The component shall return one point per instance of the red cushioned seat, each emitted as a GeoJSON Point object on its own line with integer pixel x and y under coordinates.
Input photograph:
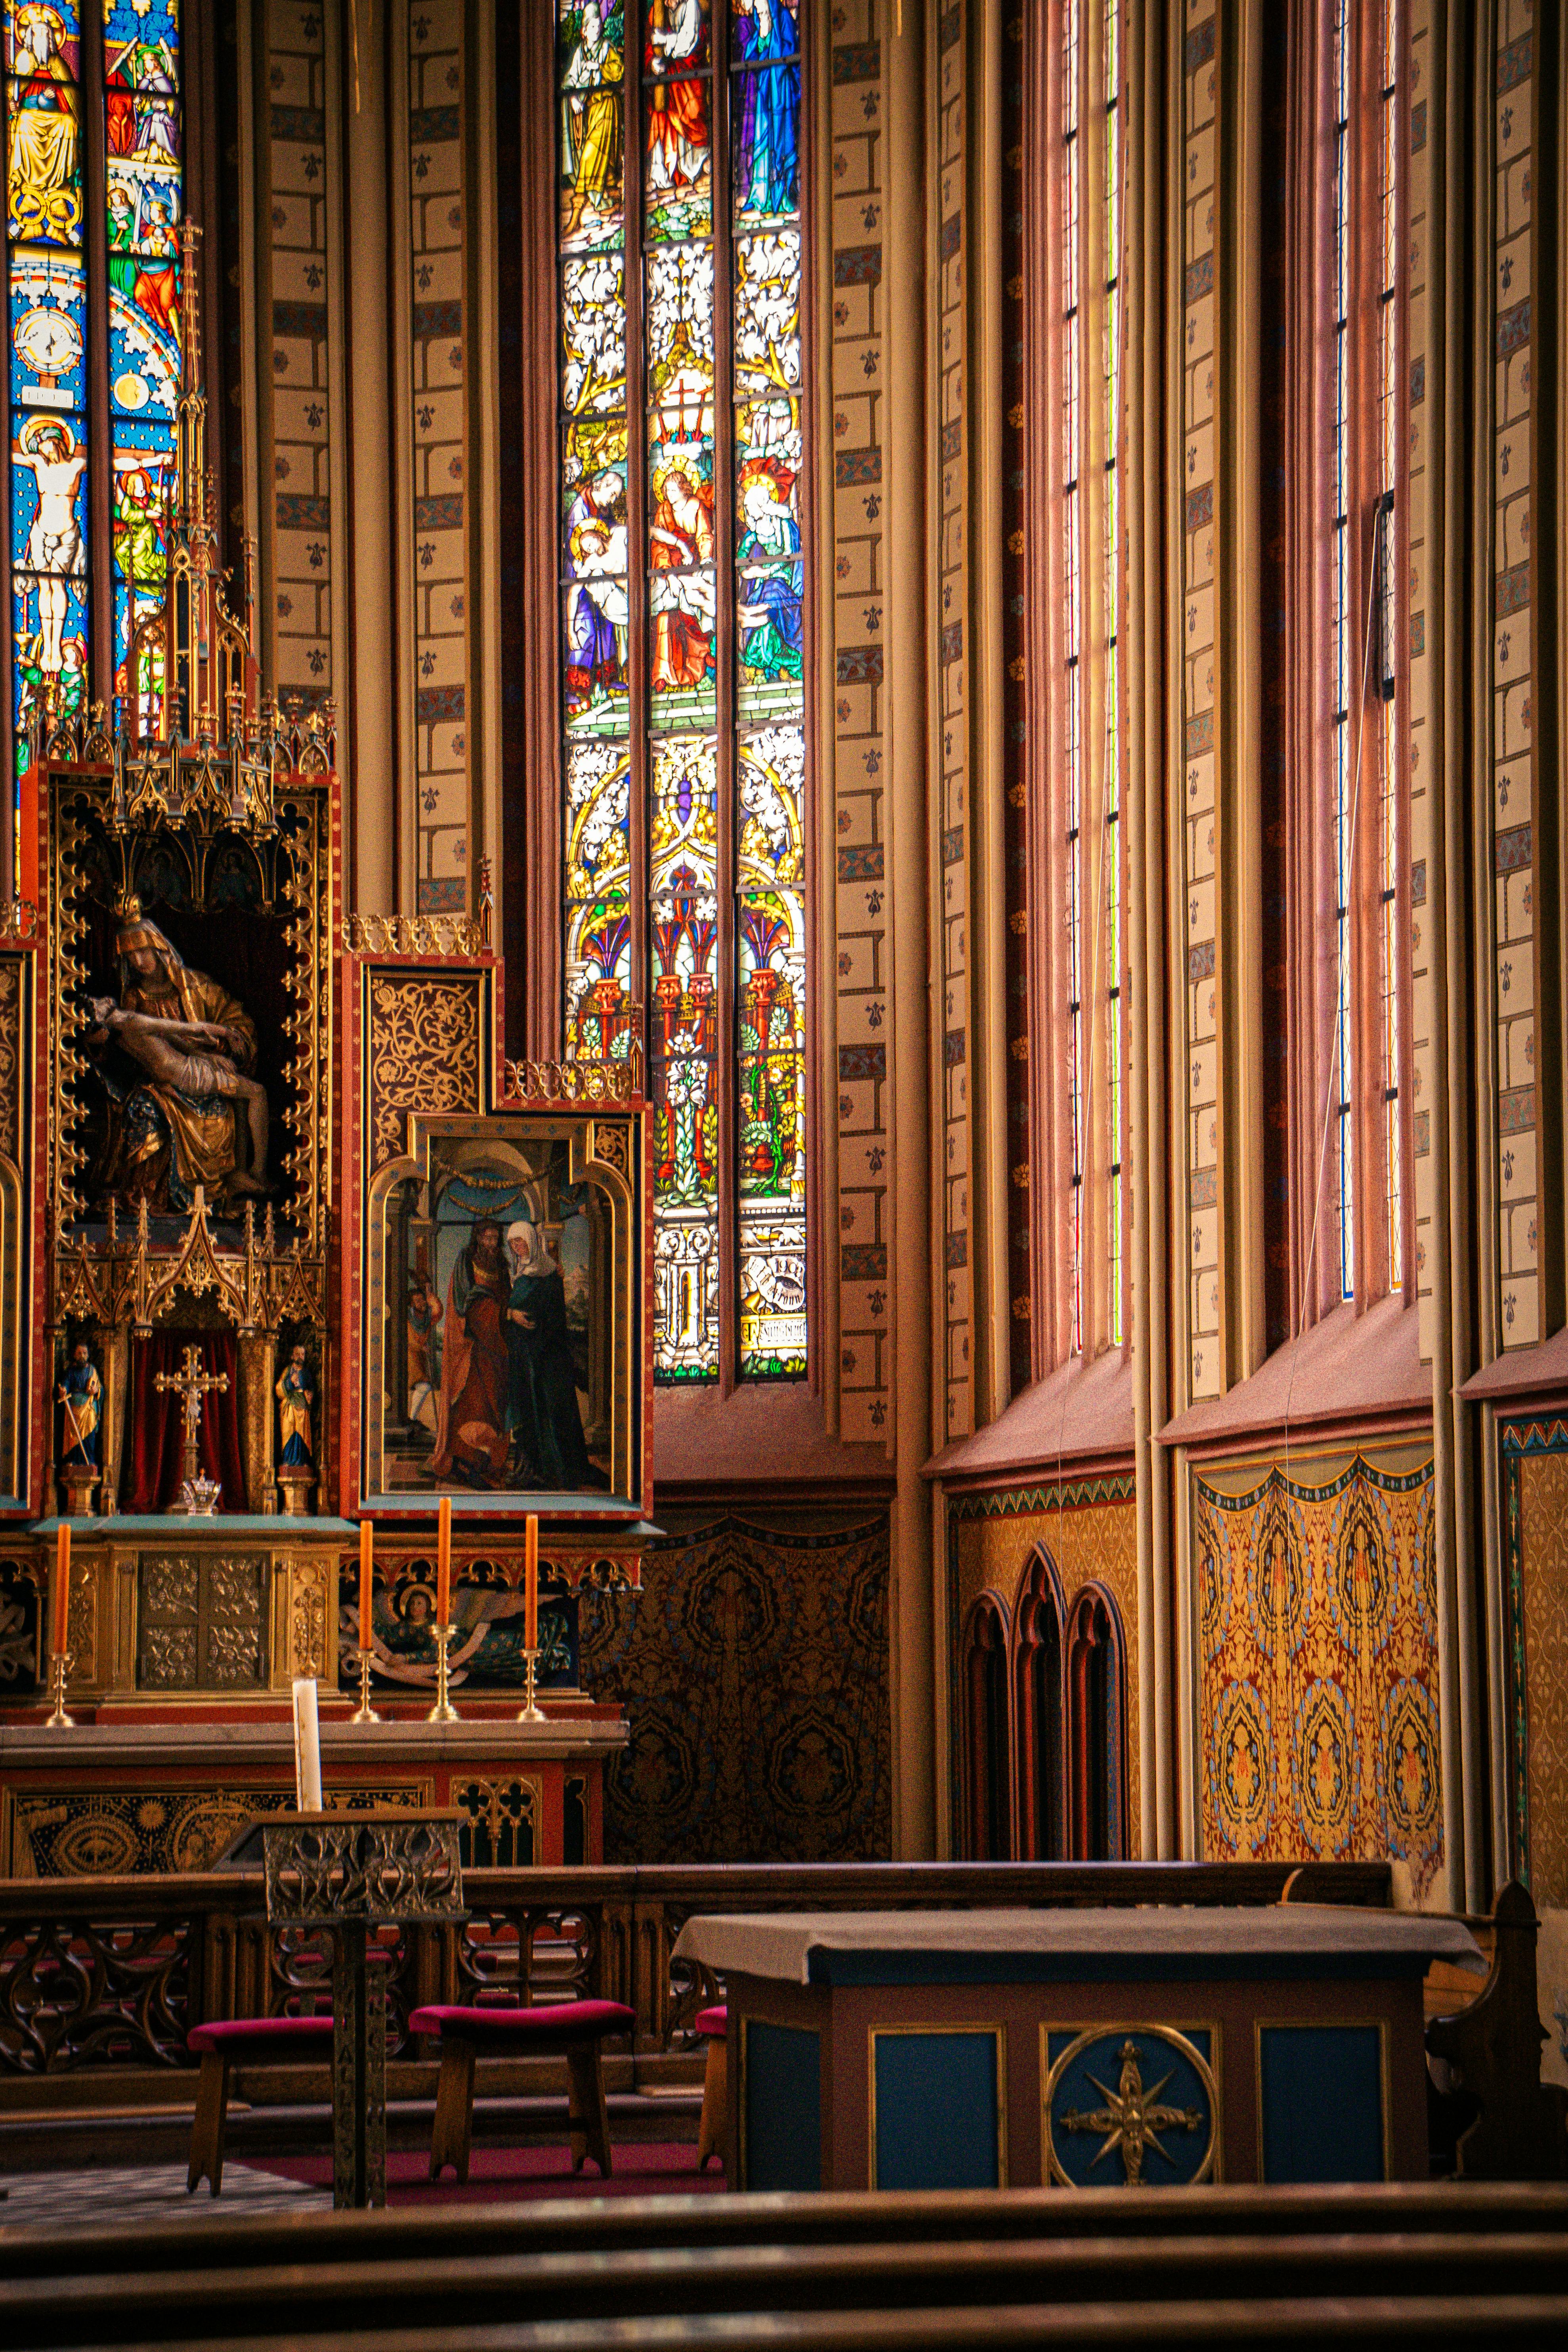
{"type": "Point", "coordinates": [711, 2020]}
{"type": "Point", "coordinates": [270, 2034]}
{"type": "Point", "coordinates": [561, 2021]}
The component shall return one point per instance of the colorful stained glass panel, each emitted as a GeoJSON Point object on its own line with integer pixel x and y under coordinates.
{"type": "Point", "coordinates": [48, 614]}
{"type": "Point", "coordinates": [145, 352]}
{"type": "Point", "coordinates": [141, 43]}
{"type": "Point", "coordinates": [676, 36]}
{"type": "Point", "coordinates": [594, 630]}
{"type": "Point", "coordinates": [766, 146]}
{"type": "Point", "coordinates": [678, 165]}
{"type": "Point", "coordinates": [594, 336]}
{"type": "Point", "coordinates": [593, 142]}
{"type": "Point", "coordinates": [49, 333]}
{"type": "Point", "coordinates": [42, 35]}
{"type": "Point", "coordinates": [44, 161]}
{"type": "Point", "coordinates": [767, 314]}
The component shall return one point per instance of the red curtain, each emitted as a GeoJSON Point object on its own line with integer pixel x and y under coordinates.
{"type": "Point", "coordinates": [154, 1453]}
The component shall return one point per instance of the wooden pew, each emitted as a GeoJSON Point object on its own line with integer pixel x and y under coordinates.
{"type": "Point", "coordinates": [459, 2232]}
{"type": "Point", "coordinates": [427, 2297]}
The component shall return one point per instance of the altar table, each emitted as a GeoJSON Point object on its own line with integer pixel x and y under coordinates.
{"type": "Point", "coordinates": [1153, 2046]}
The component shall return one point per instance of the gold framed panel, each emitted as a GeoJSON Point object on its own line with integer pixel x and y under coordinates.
{"type": "Point", "coordinates": [1260, 2025]}
{"type": "Point", "coordinates": [292, 866]}
{"type": "Point", "coordinates": [1209, 2070]}
{"type": "Point", "coordinates": [604, 1150]}
{"type": "Point", "coordinates": [998, 2034]}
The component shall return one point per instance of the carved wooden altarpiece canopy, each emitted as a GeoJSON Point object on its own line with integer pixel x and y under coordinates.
{"type": "Point", "coordinates": [272, 1196]}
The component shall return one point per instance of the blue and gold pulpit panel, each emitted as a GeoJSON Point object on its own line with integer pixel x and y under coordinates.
{"type": "Point", "coordinates": [1130, 2107]}
{"type": "Point", "coordinates": [938, 2106]}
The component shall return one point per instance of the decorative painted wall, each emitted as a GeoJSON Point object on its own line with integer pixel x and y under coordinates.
{"type": "Point", "coordinates": [855, 640]}
{"type": "Point", "coordinates": [1535, 1561]}
{"type": "Point", "coordinates": [1088, 1527]}
{"type": "Point", "coordinates": [753, 1667]}
{"type": "Point", "coordinates": [1318, 1678]}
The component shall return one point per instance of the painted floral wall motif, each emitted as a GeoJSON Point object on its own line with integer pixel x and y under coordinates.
{"type": "Point", "coordinates": [1535, 1562]}
{"type": "Point", "coordinates": [1317, 1624]}
{"type": "Point", "coordinates": [753, 1668]}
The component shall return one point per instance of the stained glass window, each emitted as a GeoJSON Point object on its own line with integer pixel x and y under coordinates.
{"type": "Point", "coordinates": [1087, 531]}
{"type": "Point", "coordinates": [59, 63]}
{"type": "Point", "coordinates": [1365, 1106]}
{"type": "Point", "coordinates": [682, 643]}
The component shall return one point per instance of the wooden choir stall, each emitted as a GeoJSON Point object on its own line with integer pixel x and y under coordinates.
{"type": "Point", "coordinates": [310, 1255]}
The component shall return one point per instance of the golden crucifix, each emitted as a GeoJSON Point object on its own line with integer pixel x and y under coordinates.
{"type": "Point", "coordinates": [190, 1384]}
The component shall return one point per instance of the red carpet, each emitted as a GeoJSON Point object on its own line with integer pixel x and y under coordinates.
{"type": "Point", "coordinates": [501, 2174]}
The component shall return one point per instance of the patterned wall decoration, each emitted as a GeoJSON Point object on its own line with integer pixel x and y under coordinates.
{"type": "Point", "coordinates": [1199, 352]}
{"type": "Point", "coordinates": [1015, 706]}
{"type": "Point", "coordinates": [1513, 663]}
{"type": "Point", "coordinates": [300, 395]}
{"type": "Point", "coordinates": [1424, 909]}
{"type": "Point", "coordinates": [753, 1665]}
{"type": "Point", "coordinates": [953, 621]}
{"type": "Point", "coordinates": [1535, 1518]}
{"type": "Point", "coordinates": [1089, 1527]}
{"type": "Point", "coordinates": [860, 322]}
{"type": "Point", "coordinates": [423, 1053]}
{"type": "Point", "coordinates": [1318, 1694]}
{"type": "Point", "coordinates": [436, 212]}
{"type": "Point", "coordinates": [69, 1833]}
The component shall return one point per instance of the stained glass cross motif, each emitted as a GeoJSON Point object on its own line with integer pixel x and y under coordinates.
{"type": "Point", "coordinates": [121, 334]}
{"type": "Point", "coordinates": [682, 643]}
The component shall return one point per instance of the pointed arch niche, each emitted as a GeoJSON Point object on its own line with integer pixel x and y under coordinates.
{"type": "Point", "coordinates": [1044, 1694]}
{"type": "Point", "coordinates": [987, 1742]}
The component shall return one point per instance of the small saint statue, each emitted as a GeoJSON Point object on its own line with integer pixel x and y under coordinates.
{"type": "Point", "coordinates": [80, 1395]}
{"type": "Point", "coordinates": [297, 1460]}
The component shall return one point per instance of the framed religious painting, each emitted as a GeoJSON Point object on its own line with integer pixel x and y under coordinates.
{"type": "Point", "coordinates": [505, 1346]}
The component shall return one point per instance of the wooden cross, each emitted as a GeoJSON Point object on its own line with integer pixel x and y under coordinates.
{"type": "Point", "coordinates": [191, 1383]}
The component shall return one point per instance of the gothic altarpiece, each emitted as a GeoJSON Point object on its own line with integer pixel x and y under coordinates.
{"type": "Point", "coordinates": [285, 1240]}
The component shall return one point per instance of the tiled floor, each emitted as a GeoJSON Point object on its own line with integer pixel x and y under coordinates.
{"type": "Point", "coordinates": [115, 2193]}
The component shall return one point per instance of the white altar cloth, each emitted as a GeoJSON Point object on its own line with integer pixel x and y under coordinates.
{"type": "Point", "coordinates": [780, 1944]}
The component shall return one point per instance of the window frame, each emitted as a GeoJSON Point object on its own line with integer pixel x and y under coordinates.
{"type": "Point", "coordinates": [1075, 1311]}
{"type": "Point", "coordinates": [1378, 1270]}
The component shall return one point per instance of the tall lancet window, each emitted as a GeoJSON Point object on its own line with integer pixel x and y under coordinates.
{"type": "Point", "coordinates": [95, 198]}
{"type": "Point", "coordinates": [1086, 1207]}
{"type": "Point", "coordinates": [1360, 1202]}
{"type": "Point", "coordinates": [682, 640]}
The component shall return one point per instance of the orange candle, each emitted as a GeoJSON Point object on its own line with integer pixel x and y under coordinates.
{"type": "Point", "coordinates": [366, 1579]}
{"type": "Point", "coordinates": [444, 1565]}
{"type": "Point", "coordinates": [62, 1585]}
{"type": "Point", "coordinates": [530, 1587]}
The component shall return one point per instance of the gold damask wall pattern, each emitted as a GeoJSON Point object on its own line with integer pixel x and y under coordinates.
{"type": "Point", "coordinates": [1535, 1512]}
{"type": "Point", "coordinates": [1318, 1678]}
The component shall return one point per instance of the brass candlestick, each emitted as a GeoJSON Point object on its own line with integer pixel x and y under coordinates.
{"type": "Point", "coordinates": [442, 1711]}
{"type": "Point", "coordinates": [532, 1710]}
{"type": "Point", "coordinates": [364, 1712]}
{"type": "Point", "coordinates": [60, 1668]}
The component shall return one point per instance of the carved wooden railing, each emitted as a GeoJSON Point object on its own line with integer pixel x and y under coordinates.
{"type": "Point", "coordinates": [105, 1977]}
